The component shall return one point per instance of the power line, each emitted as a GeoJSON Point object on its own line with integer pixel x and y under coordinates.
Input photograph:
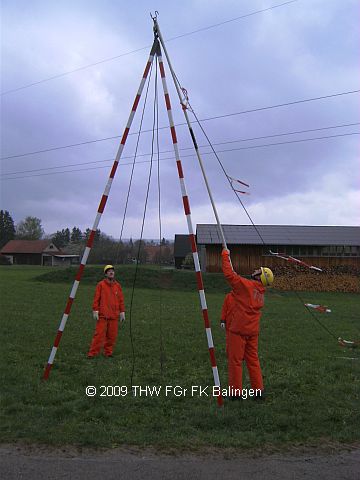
{"type": "Point", "coordinates": [296, 132]}
{"type": "Point", "coordinates": [294, 102]}
{"type": "Point", "coordinates": [289, 141]}
{"type": "Point", "coordinates": [191, 155]}
{"type": "Point", "coordinates": [54, 77]}
{"type": "Point", "coordinates": [134, 162]}
{"type": "Point", "coordinates": [48, 79]}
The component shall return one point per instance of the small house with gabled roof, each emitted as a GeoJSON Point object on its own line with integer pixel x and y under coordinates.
{"type": "Point", "coordinates": [37, 252]}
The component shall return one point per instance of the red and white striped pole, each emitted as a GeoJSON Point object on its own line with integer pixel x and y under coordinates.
{"type": "Point", "coordinates": [187, 211]}
{"type": "Point", "coordinates": [176, 83]}
{"type": "Point", "coordinates": [100, 211]}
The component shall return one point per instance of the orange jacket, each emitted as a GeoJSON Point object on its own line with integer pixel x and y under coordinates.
{"type": "Point", "coordinates": [243, 306]}
{"type": "Point", "coordinates": [108, 299]}
{"type": "Point", "coordinates": [226, 306]}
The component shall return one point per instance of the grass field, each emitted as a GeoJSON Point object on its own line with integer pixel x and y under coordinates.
{"type": "Point", "coordinates": [313, 389]}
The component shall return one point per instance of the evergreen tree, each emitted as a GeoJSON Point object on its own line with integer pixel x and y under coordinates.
{"type": "Point", "coordinates": [76, 235]}
{"type": "Point", "coordinates": [61, 237]}
{"type": "Point", "coordinates": [7, 228]}
{"type": "Point", "coordinates": [66, 235]}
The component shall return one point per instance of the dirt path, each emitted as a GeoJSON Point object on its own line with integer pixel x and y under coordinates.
{"type": "Point", "coordinates": [34, 463]}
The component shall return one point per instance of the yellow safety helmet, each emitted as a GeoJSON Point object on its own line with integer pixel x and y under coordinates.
{"type": "Point", "coordinates": [107, 267]}
{"type": "Point", "coordinates": [266, 277]}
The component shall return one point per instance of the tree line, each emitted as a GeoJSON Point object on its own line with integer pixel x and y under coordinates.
{"type": "Point", "coordinates": [105, 248]}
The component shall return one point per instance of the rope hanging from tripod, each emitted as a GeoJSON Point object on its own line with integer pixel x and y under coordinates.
{"type": "Point", "coordinates": [133, 165]}
{"type": "Point", "coordinates": [155, 109]}
{"type": "Point", "coordinates": [159, 219]}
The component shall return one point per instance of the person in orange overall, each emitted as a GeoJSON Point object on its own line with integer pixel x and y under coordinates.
{"type": "Point", "coordinates": [108, 310]}
{"type": "Point", "coordinates": [240, 317]}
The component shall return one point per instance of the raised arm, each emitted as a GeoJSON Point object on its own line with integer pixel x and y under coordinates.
{"type": "Point", "coordinates": [232, 277]}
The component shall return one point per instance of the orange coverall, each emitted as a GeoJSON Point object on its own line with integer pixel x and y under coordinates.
{"type": "Point", "coordinates": [109, 302]}
{"type": "Point", "coordinates": [241, 312]}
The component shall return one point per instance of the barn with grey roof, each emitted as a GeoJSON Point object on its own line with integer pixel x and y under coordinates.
{"type": "Point", "coordinates": [324, 246]}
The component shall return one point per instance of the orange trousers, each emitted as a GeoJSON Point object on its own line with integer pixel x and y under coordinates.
{"type": "Point", "coordinates": [238, 349]}
{"type": "Point", "coordinates": [105, 334]}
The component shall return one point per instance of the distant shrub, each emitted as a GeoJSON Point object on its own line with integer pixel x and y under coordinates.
{"type": "Point", "coordinates": [147, 277]}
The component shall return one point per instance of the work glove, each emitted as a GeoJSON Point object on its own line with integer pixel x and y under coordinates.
{"type": "Point", "coordinates": [95, 315]}
{"type": "Point", "coordinates": [222, 324]}
{"type": "Point", "coordinates": [122, 317]}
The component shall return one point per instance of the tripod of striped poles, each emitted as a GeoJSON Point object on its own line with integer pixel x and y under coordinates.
{"type": "Point", "coordinates": [155, 50]}
{"type": "Point", "coordinates": [99, 213]}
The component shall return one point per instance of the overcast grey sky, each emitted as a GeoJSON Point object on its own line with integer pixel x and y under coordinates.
{"type": "Point", "coordinates": [305, 49]}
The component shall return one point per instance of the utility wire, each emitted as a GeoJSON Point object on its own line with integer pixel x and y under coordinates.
{"type": "Point", "coordinates": [48, 79]}
{"type": "Point", "coordinates": [233, 19]}
{"type": "Point", "coordinates": [141, 237]}
{"type": "Point", "coordinates": [187, 148]}
{"type": "Point", "coordinates": [133, 167]}
{"type": "Point", "coordinates": [122, 226]}
{"type": "Point", "coordinates": [183, 156]}
{"type": "Point", "coordinates": [258, 109]}
{"type": "Point", "coordinates": [162, 357]}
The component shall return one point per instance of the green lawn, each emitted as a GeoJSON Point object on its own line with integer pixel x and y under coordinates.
{"type": "Point", "coordinates": [313, 390]}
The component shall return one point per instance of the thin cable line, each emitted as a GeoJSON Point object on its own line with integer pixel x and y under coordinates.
{"type": "Point", "coordinates": [133, 166]}
{"type": "Point", "coordinates": [183, 156]}
{"type": "Point", "coordinates": [133, 286]}
{"type": "Point", "coordinates": [141, 237]}
{"type": "Point", "coordinates": [186, 148]}
{"type": "Point", "coordinates": [232, 20]}
{"type": "Point", "coordinates": [295, 102]}
{"type": "Point", "coordinates": [13, 90]}
{"type": "Point", "coordinates": [160, 224]}
{"type": "Point", "coordinates": [48, 79]}
{"type": "Point", "coordinates": [289, 142]}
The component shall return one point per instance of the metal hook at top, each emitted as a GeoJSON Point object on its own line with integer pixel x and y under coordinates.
{"type": "Point", "coordinates": [155, 16]}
